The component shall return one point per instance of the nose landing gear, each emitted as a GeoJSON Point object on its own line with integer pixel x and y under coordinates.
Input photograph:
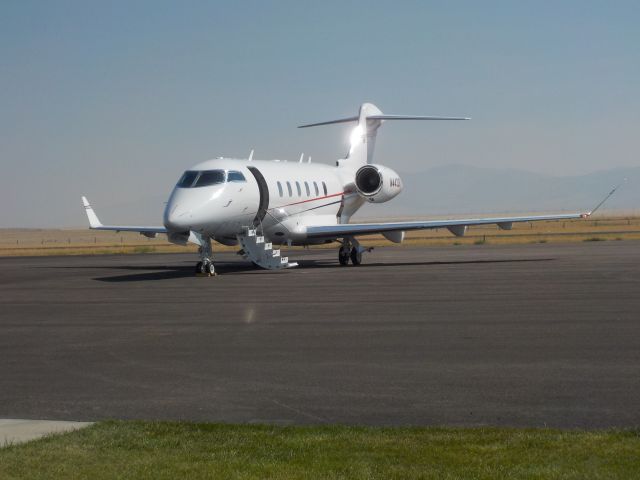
{"type": "Point", "coordinates": [205, 266]}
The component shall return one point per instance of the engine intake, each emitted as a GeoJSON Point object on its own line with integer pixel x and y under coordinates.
{"type": "Point", "coordinates": [377, 183]}
{"type": "Point", "coordinates": [368, 180]}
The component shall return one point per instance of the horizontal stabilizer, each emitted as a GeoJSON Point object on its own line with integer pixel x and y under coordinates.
{"type": "Point", "coordinates": [340, 120]}
{"type": "Point", "coordinates": [382, 117]}
{"type": "Point", "coordinates": [412, 117]}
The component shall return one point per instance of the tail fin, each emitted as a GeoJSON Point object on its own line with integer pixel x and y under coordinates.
{"type": "Point", "coordinates": [363, 136]}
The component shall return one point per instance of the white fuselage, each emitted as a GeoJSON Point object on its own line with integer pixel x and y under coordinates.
{"type": "Point", "coordinates": [280, 198]}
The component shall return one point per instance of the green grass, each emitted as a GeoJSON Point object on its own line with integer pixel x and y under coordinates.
{"type": "Point", "coordinates": [160, 450]}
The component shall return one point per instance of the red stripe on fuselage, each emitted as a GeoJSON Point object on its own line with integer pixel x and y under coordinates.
{"type": "Point", "coordinates": [310, 200]}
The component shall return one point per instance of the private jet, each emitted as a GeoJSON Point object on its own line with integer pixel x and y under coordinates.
{"type": "Point", "coordinates": [259, 205]}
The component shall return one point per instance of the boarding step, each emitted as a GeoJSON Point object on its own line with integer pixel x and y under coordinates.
{"type": "Point", "coordinates": [261, 252]}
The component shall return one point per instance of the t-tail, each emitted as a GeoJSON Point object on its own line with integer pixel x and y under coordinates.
{"type": "Point", "coordinates": [363, 136]}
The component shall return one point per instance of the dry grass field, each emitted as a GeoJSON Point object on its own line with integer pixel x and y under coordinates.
{"type": "Point", "coordinates": [23, 242]}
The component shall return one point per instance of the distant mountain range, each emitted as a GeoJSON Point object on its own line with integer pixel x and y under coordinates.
{"type": "Point", "coordinates": [462, 189]}
{"type": "Point", "coordinates": [451, 190]}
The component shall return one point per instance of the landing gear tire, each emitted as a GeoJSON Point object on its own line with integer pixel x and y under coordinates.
{"type": "Point", "coordinates": [205, 268]}
{"type": "Point", "coordinates": [343, 256]}
{"type": "Point", "coordinates": [356, 256]}
{"type": "Point", "coordinates": [209, 269]}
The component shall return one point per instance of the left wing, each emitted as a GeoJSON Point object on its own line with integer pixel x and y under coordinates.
{"type": "Point", "coordinates": [95, 224]}
{"type": "Point", "coordinates": [457, 227]}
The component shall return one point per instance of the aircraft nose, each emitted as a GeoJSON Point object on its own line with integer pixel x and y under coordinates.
{"type": "Point", "coordinates": [177, 218]}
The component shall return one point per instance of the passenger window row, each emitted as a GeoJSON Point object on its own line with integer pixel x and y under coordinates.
{"type": "Point", "coordinates": [299, 191]}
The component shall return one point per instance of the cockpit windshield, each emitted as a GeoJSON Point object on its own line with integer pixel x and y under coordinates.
{"type": "Point", "coordinates": [210, 177]}
{"type": "Point", "coordinates": [194, 179]}
{"type": "Point", "coordinates": [187, 179]}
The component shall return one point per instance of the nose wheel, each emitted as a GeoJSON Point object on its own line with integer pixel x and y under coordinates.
{"type": "Point", "coordinates": [205, 266]}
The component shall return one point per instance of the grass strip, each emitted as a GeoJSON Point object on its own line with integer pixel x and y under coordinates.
{"type": "Point", "coordinates": [119, 449]}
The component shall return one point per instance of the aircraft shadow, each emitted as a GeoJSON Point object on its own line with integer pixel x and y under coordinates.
{"type": "Point", "coordinates": [333, 264]}
{"type": "Point", "coordinates": [150, 273]}
{"type": "Point", "coordinates": [168, 272]}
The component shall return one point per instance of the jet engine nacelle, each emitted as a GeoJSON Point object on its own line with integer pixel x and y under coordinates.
{"type": "Point", "coordinates": [377, 183]}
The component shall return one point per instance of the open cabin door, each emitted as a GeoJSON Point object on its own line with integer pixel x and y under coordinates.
{"type": "Point", "coordinates": [263, 206]}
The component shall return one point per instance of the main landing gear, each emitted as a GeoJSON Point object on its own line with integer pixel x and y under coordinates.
{"type": "Point", "coordinates": [351, 250]}
{"type": "Point", "coordinates": [205, 266]}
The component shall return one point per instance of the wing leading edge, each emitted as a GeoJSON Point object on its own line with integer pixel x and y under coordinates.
{"type": "Point", "coordinates": [457, 227]}
{"type": "Point", "coordinates": [95, 224]}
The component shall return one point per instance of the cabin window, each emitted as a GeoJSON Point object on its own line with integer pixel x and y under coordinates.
{"type": "Point", "coordinates": [234, 176]}
{"type": "Point", "coordinates": [280, 188]}
{"type": "Point", "coordinates": [289, 188]}
{"type": "Point", "coordinates": [324, 187]}
{"type": "Point", "coordinates": [315, 186]}
{"type": "Point", "coordinates": [299, 189]}
{"type": "Point", "coordinates": [210, 177]}
{"type": "Point", "coordinates": [306, 187]}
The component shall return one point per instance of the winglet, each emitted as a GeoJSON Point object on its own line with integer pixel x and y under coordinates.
{"type": "Point", "coordinates": [93, 218]}
{"type": "Point", "coordinates": [609, 195]}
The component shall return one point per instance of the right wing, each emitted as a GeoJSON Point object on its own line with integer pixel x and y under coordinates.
{"type": "Point", "coordinates": [95, 224]}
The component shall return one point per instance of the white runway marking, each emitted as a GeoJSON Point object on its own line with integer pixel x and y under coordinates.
{"type": "Point", "coordinates": [14, 431]}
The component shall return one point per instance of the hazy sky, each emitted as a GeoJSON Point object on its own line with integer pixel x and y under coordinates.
{"type": "Point", "coordinates": [115, 99]}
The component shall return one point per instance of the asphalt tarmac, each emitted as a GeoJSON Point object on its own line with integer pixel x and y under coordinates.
{"type": "Point", "coordinates": [528, 335]}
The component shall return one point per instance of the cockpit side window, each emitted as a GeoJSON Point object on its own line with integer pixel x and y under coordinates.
{"type": "Point", "coordinates": [234, 176]}
{"type": "Point", "coordinates": [210, 177]}
{"type": "Point", "coordinates": [187, 179]}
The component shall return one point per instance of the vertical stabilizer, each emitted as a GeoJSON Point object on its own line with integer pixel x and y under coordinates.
{"type": "Point", "coordinates": [363, 138]}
